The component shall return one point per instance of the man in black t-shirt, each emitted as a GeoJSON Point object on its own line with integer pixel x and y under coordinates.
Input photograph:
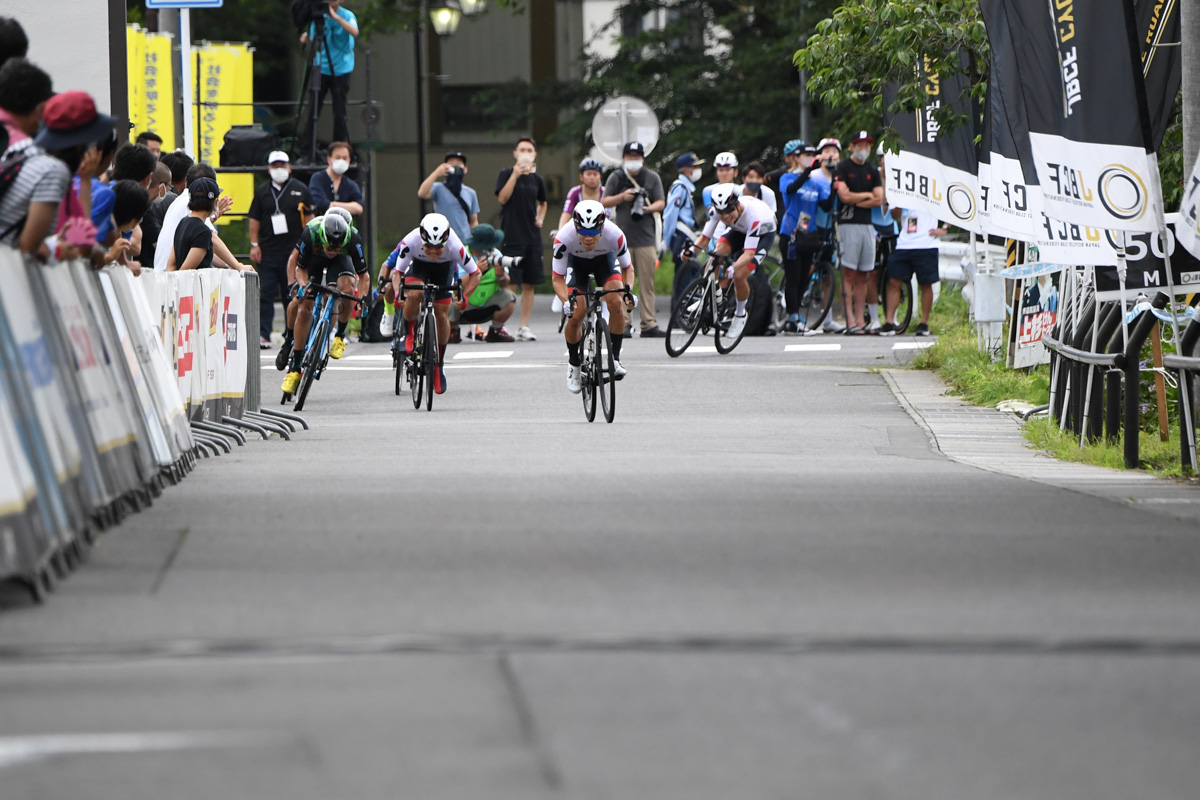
{"type": "Point", "coordinates": [522, 193]}
{"type": "Point", "coordinates": [859, 189]}
{"type": "Point", "coordinates": [282, 206]}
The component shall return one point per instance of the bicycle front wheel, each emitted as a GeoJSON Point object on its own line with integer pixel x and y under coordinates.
{"type": "Point", "coordinates": [416, 367]}
{"type": "Point", "coordinates": [818, 296]}
{"type": "Point", "coordinates": [588, 378]}
{"type": "Point", "coordinates": [606, 381]}
{"type": "Point", "coordinates": [904, 308]}
{"type": "Point", "coordinates": [725, 343]}
{"type": "Point", "coordinates": [432, 362]}
{"type": "Point", "coordinates": [311, 363]}
{"type": "Point", "coordinates": [685, 319]}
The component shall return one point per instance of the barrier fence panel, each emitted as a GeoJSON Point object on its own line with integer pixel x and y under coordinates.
{"type": "Point", "coordinates": [253, 400]}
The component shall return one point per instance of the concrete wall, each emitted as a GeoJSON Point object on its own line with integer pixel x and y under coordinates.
{"type": "Point", "coordinates": [68, 39]}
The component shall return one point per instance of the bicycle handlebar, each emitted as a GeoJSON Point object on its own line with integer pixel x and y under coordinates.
{"type": "Point", "coordinates": [320, 289]}
{"type": "Point", "coordinates": [455, 288]}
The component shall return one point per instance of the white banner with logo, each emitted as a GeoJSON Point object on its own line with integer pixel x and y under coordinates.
{"type": "Point", "coordinates": [926, 185]}
{"type": "Point", "coordinates": [1187, 230]}
{"type": "Point", "coordinates": [1100, 185]}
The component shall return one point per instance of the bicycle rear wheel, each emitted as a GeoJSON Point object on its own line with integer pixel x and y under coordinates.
{"type": "Point", "coordinates": [432, 362]}
{"type": "Point", "coordinates": [606, 381]}
{"type": "Point", "coordinates": [725, 343]}
{"type": "Point", "coordinates": [311, 363]}
{"type": "Point", "coordinates": [818, 295]}
{"type": "Point", "coordinates": [686, 318]}
{"type": "Point", "coordinates": [416, 367]}
{"type": "Point", "coordinates": [904, 309]}
{"type": "Point", "coordinates": [588, 378]}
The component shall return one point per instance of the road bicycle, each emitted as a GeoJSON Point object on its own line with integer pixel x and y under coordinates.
{"type": "Point", "coordinates": [419, 367]}
{"type": "Point", "coordinates": [316, 352]}
{"type": "Point", "coordinates": [706, 307]}
{"type": "Point", "coordinates": [597, 372]}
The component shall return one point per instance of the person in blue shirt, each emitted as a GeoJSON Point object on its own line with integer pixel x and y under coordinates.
{"type": "Point", "coordinates": [807, 191]}
{"type": "Point", "coordinates": [452, 198]}
{"type": "Point", "coordinates": [335, 58]}
{"type": "Point", "coordinates": [679, 216]}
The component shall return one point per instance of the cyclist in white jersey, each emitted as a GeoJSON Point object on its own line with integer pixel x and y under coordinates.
{"type": "Point", "coordinates": [738, 223]}
{"type": "Point", "coordinates": [590, 245]}
{"type": "Point", "coordinates": [432, 253]}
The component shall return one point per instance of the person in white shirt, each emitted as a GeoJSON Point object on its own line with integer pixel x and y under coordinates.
{"type": "Point", "coordinates": [916, 253]}
{"type": "Point", "coordinates": [178, 211]}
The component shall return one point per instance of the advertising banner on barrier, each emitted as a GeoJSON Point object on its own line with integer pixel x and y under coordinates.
{"type": "Point", "coordinates": [235, 337]}
{"type": "Point", "coordinates": [18, 496]}
{"type": "Point", "coordinates": [157, 371]}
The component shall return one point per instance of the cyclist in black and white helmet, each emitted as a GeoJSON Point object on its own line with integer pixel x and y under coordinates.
{"type": "Point", "coordinates": [590, 244]}
{"type": "Point", "coordinates": [744, 225]}
{"type": "Point", "coordinates": [432, 253]}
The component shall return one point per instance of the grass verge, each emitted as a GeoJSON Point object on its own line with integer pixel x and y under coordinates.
{"type": "Point", "coordinates": [1158, 457]}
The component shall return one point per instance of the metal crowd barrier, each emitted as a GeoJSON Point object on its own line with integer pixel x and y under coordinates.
{"type": "Point", "coordinates": [112, 387]}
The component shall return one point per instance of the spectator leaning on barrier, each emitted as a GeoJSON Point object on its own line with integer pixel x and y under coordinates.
{"type": "Point", "coordinates": [152, 219]}
{"type": "Point", "coordinates": [194, 236]}
{"type": "Point", "coordinates": [30, 203]}
{"type": "Point", "coordinates": [916, 253]}
{"type": "Point", "coordinates": [179, 162]}
{"type": "Point", "coordinates": [152, 141]}
{"type": "Point", "coordinates": [859, 189]}
{"type": "Point", "coordinates": [132, 163]}
{"type": "Point", "coordinates": [330, 188]}
{"type": "Point", "coordinates": [635, 182]}
{"type": "Point", "coordinates": [282, 206]}
{"type": "Point", "coordinates": [491, 300]}
{"type": "Point", "coordinates": [336, 62]}
{"type": "Point", "coordinates": [181, 209]}
{"type": "Point", "coordinates": [522, 195]}
{"type": "Point", "coordinates": [452, 198]}
{"type": "Point", "coordinates": [130, 202]}
{"type": "Point", "coordinates": [24, 90]}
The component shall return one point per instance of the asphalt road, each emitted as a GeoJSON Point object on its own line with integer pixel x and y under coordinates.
{"type": "Point", "coordinates": [759, 582]}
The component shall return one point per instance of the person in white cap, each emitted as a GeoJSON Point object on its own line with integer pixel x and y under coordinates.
{"type": "Point", "coordinates": [281, 208]}
{"type": "Point", "coordinates": [726, 166]}
{"type": "Point", "coordinates": [859, 188]}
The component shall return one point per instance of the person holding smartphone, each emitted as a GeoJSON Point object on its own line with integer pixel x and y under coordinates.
{"type": "Point", "coordinates": [522, 195]}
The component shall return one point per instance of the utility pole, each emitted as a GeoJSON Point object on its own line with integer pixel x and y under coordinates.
{"type": "Point", "coordinates": [1189, 25]}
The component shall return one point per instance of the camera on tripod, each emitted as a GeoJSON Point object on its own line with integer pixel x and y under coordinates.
{"type": "Point", "coordinates": [306, 12]}
{"type": "Point", "coordinates": [639, 205]}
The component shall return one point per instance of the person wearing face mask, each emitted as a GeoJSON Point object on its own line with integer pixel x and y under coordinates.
{"type": "Point", "coordinates": [679, 218]}
{"type": "Point", "coordinates": [453, 199]}
{"type": "Point", "coordinates": [330, 188]}
{"type": "Point", "coordinates": [620, 192]}
{"type": "Point", "coordinates": [151, 225]}
{"type": "Point", "coordinates": [278, 213]}
{"type": "Point", "coordinates": [753, 176]}
{"type": "Point", "coordinates": [859, 189]}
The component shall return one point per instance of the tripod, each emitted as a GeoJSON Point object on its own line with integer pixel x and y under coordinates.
{"type": "Point", "coordinates": [310, 87]}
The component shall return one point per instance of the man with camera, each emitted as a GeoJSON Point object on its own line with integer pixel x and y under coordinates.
{"type": "Point", "coordinates": [637, 194]}
{"type": "Point", "coordinates": [334, 29]}
{"type": "Point", "coordinates": [491, 301]}
{"type": "Point", "coordinates": [452, 198]}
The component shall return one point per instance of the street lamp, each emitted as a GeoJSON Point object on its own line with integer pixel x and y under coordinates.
{"type": "Point", "coordinates": [471, 8]}
{"type": "Point", "coordinates": [445, 19]}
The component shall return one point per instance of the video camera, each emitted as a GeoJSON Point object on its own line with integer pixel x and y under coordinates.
{"type": "Point", "coordinates": [305, 12]}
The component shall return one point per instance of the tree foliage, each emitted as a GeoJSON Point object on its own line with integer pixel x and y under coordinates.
{"type": "Point", "coordinates": [866, 44]}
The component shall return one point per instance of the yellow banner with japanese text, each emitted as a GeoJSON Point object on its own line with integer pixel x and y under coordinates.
{"type": "Point", "coordinates": [225, 75]}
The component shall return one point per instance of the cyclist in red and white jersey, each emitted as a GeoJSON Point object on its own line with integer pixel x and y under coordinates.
{"type": "Point", "coordinates": [738, 223]}
{"type": "Point", "coordinates": [432, 253]}
{"type": "Point", "coordinates": [590, 245]}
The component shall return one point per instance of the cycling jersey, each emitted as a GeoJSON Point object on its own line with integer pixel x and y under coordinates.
{"type": "Point", "coordinates": [756, 222]}
{"type": "Point", "coordinates": [311, 258]}
{"type": "Point", "coordinates": [567, 245]}
{"type": "Point", "coordinates": [411, 250]}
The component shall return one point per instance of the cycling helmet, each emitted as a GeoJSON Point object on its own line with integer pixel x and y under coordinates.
{"type": "Point", "coordinates": [725, 159]}
{"type": "Point", "coordinates": [590, 163]}
{"type": "Point", "coordinates": [435, 230]}
{"type": "Point", "coordinates": [344, 214]}
{"type": "Point", "coordinates": [792, 146]}
{"type": "Point", "coordinates": [725, 197]}
{"type": "Point", "coordinates": [333, 231]}
{"type": "Point", "coordinates": [588, 218]}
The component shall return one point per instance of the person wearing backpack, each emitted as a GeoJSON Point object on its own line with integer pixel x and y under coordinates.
{"type": "Point", "coordinates": [452, 198]}
{"type": "Point", "coordinates": [491, 301]}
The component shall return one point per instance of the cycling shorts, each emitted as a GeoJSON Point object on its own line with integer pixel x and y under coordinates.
{"type": "Point", "coordinates": [737, 244]}
{"type": "Point", "coordinates": [330, 268]}
{"type": "Point", "coordinates": [602, 268]}
{"type": "Point", "coordinates": [429, 272]}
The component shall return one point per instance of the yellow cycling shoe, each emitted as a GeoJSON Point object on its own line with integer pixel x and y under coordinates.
{"type": "Point", "coordinates": [338, 348]}
{"type": "Point", "coordinates": [291, 382]}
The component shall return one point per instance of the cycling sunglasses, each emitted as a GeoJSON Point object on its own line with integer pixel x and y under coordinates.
{"type": "Point", "coordinates": [588, 232]}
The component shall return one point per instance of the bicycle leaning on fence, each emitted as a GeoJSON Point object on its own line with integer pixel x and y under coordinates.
{"type": "Point", "coordinates": [316, 353]}
{"type": "Point", "coordinates": [706, 307]}
{"type": "Point", "coordinates": [419, 366]}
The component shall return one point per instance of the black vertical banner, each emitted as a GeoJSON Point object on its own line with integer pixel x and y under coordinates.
{"type": "Point", "coordinates": [1158, 25]}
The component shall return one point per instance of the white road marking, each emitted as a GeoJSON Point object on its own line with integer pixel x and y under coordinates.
{"type": "Point", "coordinates": [466, 356]}
{"type": "Point", "coordinates": [23, 749]}
{"type": "Point", "coordinates": [701, 348]}
{"type": "Point", "coordinates": [370, 357]}
{"type": "Point", "coordinates": [811, 348]}
{"type": "Point", "coordinates": [912, 345]}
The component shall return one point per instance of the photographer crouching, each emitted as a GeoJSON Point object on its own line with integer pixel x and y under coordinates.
{"type": "Point", "coordinates": [637, 194]}
{"type": "Point", "coordinates": [333, 30]}
{"type": "Point", "coordinates": [491, 301]}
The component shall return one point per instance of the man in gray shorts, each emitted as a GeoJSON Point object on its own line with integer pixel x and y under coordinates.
{"type": "Point", "coordinates": [859, 190]}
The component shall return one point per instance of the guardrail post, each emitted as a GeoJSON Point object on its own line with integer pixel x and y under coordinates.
{"type": "Point", "coordinates": [1137, 338]}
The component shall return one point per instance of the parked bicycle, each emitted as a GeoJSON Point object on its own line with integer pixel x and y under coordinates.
{"type": "Point", "coordinates": [706, 307]}
{"type": "Point", "coordinates": [316, 352]}
{"type": "Point", "coordinates": [597, 371]}
{"type": "Point", "coordinates": [904, 308]}
{"type": "Point", "coordinates": [419, 367]}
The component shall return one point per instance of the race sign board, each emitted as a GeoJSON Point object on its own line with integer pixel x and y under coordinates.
{"type": "Point", "coordinates": [1034, 312]}
{"type": "Point", "coordinates": [1147, 271]}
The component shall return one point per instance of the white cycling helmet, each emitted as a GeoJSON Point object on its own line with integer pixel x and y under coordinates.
{"type": "Point", "coordinates": [435, 230]}
{"type": "Point", "coordinates": [725, 197]}
{"type": "Point", "coordinates": [588, 218]}
{"type": "Point", "coordinates": [725, 159]}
